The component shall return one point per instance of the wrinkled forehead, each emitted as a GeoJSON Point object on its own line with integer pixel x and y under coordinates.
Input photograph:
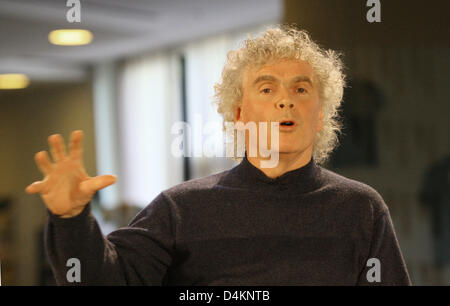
{"type": "Point", "coordinates": [278, 66]}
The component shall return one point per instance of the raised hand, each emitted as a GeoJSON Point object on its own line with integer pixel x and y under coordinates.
{"type": "Point", "coordinates": [66, 187]}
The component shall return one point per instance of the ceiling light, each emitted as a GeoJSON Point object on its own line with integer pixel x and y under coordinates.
{"type": "Point", "coordinates": [13, 81]}
{"type": "Point", "coordinates": [70, 37]}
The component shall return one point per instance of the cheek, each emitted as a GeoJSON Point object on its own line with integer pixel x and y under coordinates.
{"type": "Point", "coordinates": [260, 111]}
{"type": "Point", "coordinates": [308, 115]}
{"type": "Point", "coordinates": [253, 112]}
{"type": "Point", "coordinates": [314, 120]}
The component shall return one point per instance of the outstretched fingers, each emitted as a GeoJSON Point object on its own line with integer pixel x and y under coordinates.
{"type": "Point", "coordinates": [94, 184]}
{"type": "Point", "coordinates": [34, 187]}
{"type": "Point", "coordinates": [76, 145]}
{"type": "Point", "coordinates": [57, 147]}
{"type": "Point", "coordinates": [43, 162]}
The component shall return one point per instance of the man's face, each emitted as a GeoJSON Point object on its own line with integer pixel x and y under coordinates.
{"type": "Point", "coordinates": [283, 91]}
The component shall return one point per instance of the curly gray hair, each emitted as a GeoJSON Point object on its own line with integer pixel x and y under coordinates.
{"type": "Point", "coordinates": [287, 42]}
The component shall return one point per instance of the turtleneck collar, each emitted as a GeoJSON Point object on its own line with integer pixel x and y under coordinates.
{"type": "Point", "coordinates": [301, 180]}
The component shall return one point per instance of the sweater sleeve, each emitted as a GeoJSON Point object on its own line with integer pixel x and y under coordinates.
{"type": "Point", "coordinates": [138, 254]}
{"type": "Point", "coordinates": [385, 258]}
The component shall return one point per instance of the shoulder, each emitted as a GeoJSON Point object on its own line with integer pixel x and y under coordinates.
{"type": "Point", "coordinates": [195, 187]}
{"type": "Point", "coordinates": [355, 192]}
{"type": "Point", "coordinates": [168, 201]}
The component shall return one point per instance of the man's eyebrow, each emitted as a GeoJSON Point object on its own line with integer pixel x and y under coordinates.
{"type": "Point", "coordinates": [302, 78]}
{"type": "Point", "coordinates": [297, 79]}
{"type": "Point", "coordinates": [264, 77]}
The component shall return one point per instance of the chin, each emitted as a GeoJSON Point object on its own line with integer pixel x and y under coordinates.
{"type": "Point", "coordinates": [287, 148]}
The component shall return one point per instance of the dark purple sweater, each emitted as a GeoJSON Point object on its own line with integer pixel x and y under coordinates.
{"type": "Point", "coordinates": [309, 226]}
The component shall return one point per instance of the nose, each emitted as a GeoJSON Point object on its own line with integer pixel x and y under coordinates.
{"type": "Point", "coordinates": [285, 99]}
{"type": "Point", "coordinates": [284, 104]}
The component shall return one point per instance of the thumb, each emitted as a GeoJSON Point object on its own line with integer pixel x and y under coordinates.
{"type": "Point", "coordinates": [93, 184]}
{"type": "Point", "coordinates": [34, 187]}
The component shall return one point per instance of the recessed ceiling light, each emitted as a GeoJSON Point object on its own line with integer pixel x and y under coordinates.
{"type": "Point", "coordinates": [13, 81]}
{"type": "Point", "coordinates": [70, 37]}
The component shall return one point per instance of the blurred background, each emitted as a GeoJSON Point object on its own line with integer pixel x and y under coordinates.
{"type": "Point", "coordinates": [148, 64]}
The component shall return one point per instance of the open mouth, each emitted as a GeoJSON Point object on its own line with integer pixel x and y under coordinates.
{"type": "Point", "coordinates": [287, 123]}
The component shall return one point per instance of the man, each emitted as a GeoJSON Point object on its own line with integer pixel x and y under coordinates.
{"type": "Point", "coordinates": [292, 224]}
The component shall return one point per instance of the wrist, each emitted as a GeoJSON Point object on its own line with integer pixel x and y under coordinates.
{"type": "Point", "coordinates": [73, 213]}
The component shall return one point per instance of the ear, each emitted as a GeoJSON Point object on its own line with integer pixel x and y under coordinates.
{"type": "Point", "coordinates": [237, 114]}
{"type": "Point", "coordinates": [320, 123]}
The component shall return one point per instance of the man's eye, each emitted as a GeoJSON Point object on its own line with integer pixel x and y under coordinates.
{"type": "Point", "coordinates": [266, 90]}
{"type": "Point", "coordinates": [301, 90]}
